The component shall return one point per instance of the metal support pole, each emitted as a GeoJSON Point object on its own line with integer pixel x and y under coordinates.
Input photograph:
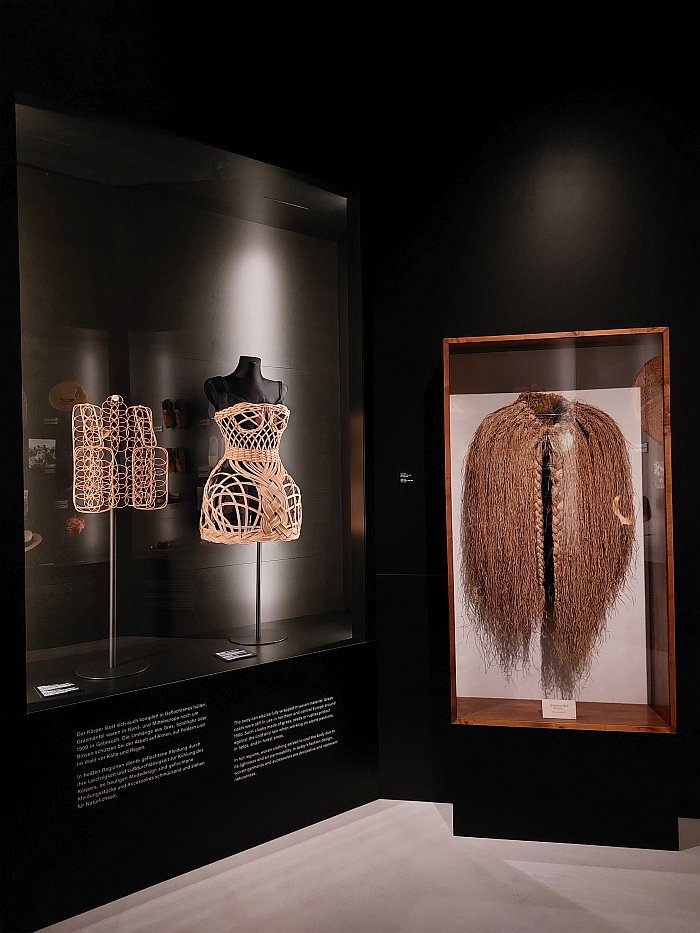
{"type": "Point", "coordinates": [258, 577]}
{"type": "Point", "coordinates": [249, 635]}
{"type": "Point", "coordinates": [112, 588]}
{"type": "Point", "coordinates": [108, 668]}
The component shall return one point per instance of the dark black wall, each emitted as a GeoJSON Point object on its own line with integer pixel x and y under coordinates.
{"type": "Point", "coordinates": [448, 133]}
{"type": "Point", "coordinates": [572, 208]}
{"type": "Point", "coordinates": [60, 859]}
{"type": "Point", "coordinates": [262, 86]}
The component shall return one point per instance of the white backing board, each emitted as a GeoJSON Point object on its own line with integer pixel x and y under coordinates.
{"type": "Point", "coordinates": [619, 670]}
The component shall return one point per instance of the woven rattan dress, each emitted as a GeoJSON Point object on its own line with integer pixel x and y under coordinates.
{"type": "Point", "coordinates": [249, 496]}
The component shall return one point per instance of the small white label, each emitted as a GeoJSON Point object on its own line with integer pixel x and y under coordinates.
{"type": "Point", "coordinates": [405, 477]}
{"type": "Point", "coordinates": [234, 654]}
{"type": "Point", "coordinates": [52, 690]}
{"type": "Point", "coordinates": [559, 709]}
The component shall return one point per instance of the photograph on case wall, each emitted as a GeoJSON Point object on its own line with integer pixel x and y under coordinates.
{"type": "Point", "coordinates": [42, 454]}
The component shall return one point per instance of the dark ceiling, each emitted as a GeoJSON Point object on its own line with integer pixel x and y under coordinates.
{"type": "Point", "coordinates": [354, 98]}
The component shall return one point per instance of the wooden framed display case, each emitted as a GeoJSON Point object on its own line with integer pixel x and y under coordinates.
{"type": "Point", "coordinates": [559, 530]}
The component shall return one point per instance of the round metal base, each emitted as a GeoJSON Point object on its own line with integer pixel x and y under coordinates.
{"type": "Point", "coordinates": [99, 669]}
{"type": "Point", "coordinates": [247, 636]}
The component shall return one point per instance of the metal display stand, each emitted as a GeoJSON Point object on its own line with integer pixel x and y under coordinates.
{"type": "Point", "coordinates": [116, 463]}
{"type": "Point", "coordinates": [110, 668]}
{"type": "Point", "coordinates": [252, 634]}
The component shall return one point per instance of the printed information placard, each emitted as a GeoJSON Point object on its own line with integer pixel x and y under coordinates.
{"type": "Point", "coordinates": [233, 654]}
{"type": "Point", "coordinates": [559, 709]}
{"type": "Point", "coordinates": [52, 690]}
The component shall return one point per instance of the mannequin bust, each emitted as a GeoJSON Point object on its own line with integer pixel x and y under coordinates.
{"type": "Point", "coordinates": [245, 384]}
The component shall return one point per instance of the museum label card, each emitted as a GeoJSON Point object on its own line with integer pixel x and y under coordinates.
{"type": "Point", "coordinates": [52, 690]}
{"type": "Point", "coordinates": [234, 654]}
{"type": "Point", "coordinates": [559, 709]}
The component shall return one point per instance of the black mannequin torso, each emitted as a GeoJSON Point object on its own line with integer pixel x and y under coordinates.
{"type": "Point", "coordinates": [245, 384]}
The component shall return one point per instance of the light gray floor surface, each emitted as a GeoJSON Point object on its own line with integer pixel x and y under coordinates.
{"type": "Point", "coordinates": [395, 867]}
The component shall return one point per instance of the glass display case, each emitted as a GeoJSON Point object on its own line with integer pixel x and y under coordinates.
{"type": "Point", "coordinates": [559, 528]}
{"type": "Point", "coordinates": [150, 265]}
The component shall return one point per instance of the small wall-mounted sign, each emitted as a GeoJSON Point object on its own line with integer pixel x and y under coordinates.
{"type": "Point", "coordinates": [60, 503]}
{"type": "Point", "coordinates": [406, 477]}
{"type": "Point", "coordinates": [50, 420]}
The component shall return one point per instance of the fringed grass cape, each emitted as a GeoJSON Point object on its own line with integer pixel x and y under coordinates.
{"type": "Point", "coordinates": [547, 533]}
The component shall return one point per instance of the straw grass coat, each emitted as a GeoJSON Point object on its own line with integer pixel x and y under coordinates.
{"type": "Point", "coordinates": [547, 533]}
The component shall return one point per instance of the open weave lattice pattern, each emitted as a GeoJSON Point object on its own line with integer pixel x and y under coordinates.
{"type": "Point", "coordinates": [547, 534]}
{"type": "Point", "coordinates": [249, 496]}
{"type": "Point", "coordinates": [116, 461]}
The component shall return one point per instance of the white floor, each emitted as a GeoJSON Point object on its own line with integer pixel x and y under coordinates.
{"type": "Point", "coordinates": [395, 867]}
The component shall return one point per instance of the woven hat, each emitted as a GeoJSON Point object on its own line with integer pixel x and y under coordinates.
{"type": "Point", "coordinates": [64, 395]}
{"type": "Point", "coordinates": [31, 539]}
{"type": "Point", "coordinates": [650, 380]}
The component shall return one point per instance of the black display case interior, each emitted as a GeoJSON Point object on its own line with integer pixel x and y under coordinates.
{"type": "Point", "coordinates": [148, 264]}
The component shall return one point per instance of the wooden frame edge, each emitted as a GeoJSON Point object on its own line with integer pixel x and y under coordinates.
{"type": "Point", "coordinates": [556, 335]}
{"type": "Point", "coordinates": [668, 491]}
{"type": "Point", "coordinates": [448, 510]}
